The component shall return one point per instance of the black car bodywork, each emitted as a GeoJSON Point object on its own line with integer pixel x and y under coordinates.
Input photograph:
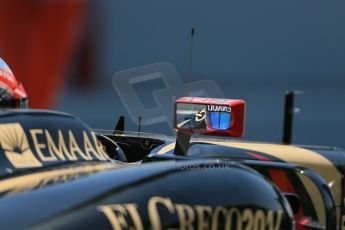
{"type": "Point", "coordinates": [55, 173]}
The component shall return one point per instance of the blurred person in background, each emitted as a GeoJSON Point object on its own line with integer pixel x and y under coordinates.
{"type": "Point", "coordinates": [38, 38]}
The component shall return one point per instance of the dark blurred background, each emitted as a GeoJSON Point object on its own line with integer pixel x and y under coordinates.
{"type": "Point", "coordinates": [67, 51]}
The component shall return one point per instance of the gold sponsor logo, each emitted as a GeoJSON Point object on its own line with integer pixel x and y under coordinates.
{"type": "Point", "coordinates": [15, 144]}
{"type": "Point", "coordinates": [190, 217]}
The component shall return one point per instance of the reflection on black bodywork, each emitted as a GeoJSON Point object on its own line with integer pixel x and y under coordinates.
{"type": "Point", "coordinates": [44, 179]}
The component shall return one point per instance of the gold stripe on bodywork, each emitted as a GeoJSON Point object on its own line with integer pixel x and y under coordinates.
{"type": "Point", "coordinates": [167, 148]}
{"type": "Point", "coordinates": [297, 155]}
{"type": "Point", "coordinates": [316, 198]}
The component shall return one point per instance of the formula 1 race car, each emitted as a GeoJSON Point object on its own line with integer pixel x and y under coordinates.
{"type": "Point", "coordinates": [55, 173]}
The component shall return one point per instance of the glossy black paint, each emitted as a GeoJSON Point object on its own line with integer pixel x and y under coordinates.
{"type": "Point", "coordinates": [73, 203]}
{"type": "Point", "coordinates": [68, 194]}
{"type": "Point", "coordinates": [42, 120]}
{"type": "Point", "coordinates": [202, 150]}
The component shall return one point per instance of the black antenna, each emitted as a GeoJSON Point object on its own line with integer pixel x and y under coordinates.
{"type": "Point", "coordinates": [289, 111]}
{"type": "Point", "coordinates": [139, 123]}
{"type": "Point", "coordinates": [191, 55]}
{"type": "Point", "coordinates": [120, 126]}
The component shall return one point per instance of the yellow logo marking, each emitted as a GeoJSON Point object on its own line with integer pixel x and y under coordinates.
{"type": "Point", "coordinates": [127, 216]}
{"type": "Point", "coordinates": [16, 146]}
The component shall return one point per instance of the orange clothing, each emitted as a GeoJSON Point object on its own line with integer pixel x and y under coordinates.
{"type": "Point", "coordinates": [37, 38]}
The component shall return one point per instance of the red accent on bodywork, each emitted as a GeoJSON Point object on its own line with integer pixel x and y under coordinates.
{"type": "Point", "coordinates": [302, 223]}
{"type": "Point", "coordinates": [257, 156]}
{"type": "Point", "coordinates": [282, 181]}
